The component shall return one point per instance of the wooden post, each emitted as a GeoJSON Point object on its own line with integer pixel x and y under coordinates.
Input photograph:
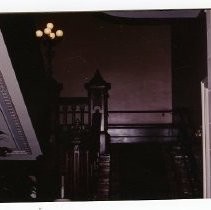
{"type": "Point", "coordinates": [98, 109]}
{"type": "Point", "coordinates": [97, 89]}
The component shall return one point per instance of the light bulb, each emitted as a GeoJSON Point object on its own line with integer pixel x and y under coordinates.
{"type": "Point", "coordinates": [39, 33]}
{"type": "Point", "coordinates": [50, 25]}
{"type": "Point", "coordinates": [47, 30]}
{"type": "Point", "coordinates": [59, 33]}
{"type": "Point", "coordinates": [52, 35]}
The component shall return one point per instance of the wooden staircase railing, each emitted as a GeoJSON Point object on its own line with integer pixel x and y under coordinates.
{"type": "Point", "coordinates": [79, 160]}
{"type": "Point", "coordinates": [83, 144]}
{"type": "Point", "coordinates": [83, 141]}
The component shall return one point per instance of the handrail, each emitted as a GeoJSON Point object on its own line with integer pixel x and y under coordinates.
{"type": "Point", "coordinates": [137, 125]}
{"type": "Point", "coordinates": [73, 100]}
{"type": "Point", "coordinates": [133, 111]}
{"type": "Point", "coordinates": [140, 111]}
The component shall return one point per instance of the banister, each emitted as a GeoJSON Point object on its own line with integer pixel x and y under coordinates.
{"type": "Point", "coordinates": [140, 111]}
{"type": "Point", "coordinates": [73, 100]}
{"type": "Point", "coordinates": [80, 148]}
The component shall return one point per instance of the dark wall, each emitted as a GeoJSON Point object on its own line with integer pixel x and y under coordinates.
{"type": "Point", "coordinates": [189, 65]}
{"type": "Point", "coordinates": [135, 57]}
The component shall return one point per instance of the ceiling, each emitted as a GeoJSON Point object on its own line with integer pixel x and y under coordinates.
{"type": "Point", "coordinates": [188, 13]}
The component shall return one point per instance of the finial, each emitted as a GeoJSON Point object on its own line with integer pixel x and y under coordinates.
{"type": "Point", "coordinates": [97, 80]}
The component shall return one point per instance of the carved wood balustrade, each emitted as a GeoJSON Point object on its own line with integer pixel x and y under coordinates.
{"type": "Point", "coordinates": [83, 143]}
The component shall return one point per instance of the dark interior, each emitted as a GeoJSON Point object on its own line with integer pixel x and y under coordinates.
{"type": "Point", "coordinates": [154, 157]}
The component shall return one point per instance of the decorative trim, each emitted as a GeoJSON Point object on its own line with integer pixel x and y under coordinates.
{"type": "Point", "coordinates": [9, 112]}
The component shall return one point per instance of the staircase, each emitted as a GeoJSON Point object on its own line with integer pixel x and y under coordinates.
{"type": "Point", "coordinates": [126, 161]}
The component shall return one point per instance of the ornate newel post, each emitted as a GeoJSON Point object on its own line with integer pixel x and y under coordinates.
{"type": "Point", "coordinates": [98, 104]}
{"type": "Point", "coordinates": [98, 108]}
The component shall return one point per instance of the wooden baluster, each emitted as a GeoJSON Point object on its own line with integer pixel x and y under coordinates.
{"type": "Point", "coordinates": [70, 174]}
{"type": "Point", "coordinates": [62, 187]}
{"type": "Point", "coordinates": [82, 109]}
{"type": "Point", "coordinates": [64, 110]}
{"type": "Point", "coordinates": [76, 170]}
{"type": "Point", "coordinates": [73, 109]}
{"type": "Point", "coordinates": [67, 171]}
{"type": "Point", "coordinates": [87, 165]}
